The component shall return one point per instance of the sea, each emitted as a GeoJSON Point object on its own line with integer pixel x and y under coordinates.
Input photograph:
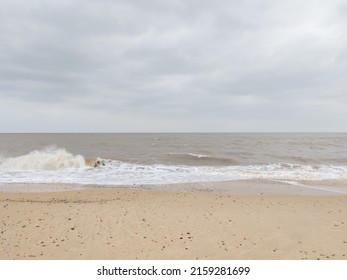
{"type": "Point", "coordinates": [122, 159]}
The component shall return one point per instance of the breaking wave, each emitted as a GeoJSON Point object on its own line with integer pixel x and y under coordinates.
{"type": "Point", "coordinates": [50, 158]}
{"type": "Point", "coordinates": [55, 165]}
{"type": "Point", "coordinates": [198, 159]}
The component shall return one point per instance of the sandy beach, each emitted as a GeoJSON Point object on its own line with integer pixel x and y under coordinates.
{"type": "Point", "coordinates": [133, 223]}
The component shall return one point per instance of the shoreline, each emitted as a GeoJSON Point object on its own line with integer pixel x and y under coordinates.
{"type": "Point", "coordinates": [234, 187]}
{"type": "Point", "coordinates": [133, 223]}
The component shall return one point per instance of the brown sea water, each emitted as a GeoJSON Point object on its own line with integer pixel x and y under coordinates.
{"type": "Point", "coordinates": [189, 149]}
{"type": "Point", "coordinates": [170, 158]}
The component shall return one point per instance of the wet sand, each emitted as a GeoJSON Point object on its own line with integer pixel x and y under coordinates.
{"type": "Point", "coordinates": [133, 223]}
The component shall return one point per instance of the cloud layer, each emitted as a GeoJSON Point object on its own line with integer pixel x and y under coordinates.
{"type": "Point", "coordinates": [184, 65]}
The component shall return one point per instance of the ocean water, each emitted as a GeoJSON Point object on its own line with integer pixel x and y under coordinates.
{"type": "Point", "coordinates": [141, 159]}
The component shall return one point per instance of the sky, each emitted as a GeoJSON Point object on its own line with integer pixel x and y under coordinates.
{"type": "Point", "coordinates": [173, 66]}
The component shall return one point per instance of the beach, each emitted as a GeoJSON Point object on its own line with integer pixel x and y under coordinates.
{"type": "Point", "coordinates": [184, 222]}
{"type": "Point", "coordinates": [173, 196]}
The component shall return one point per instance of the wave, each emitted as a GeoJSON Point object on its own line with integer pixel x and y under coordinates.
{"type": "Point", "coordinates": [49, 158]}
{"type": "Point", "coordinates": [56, 165]}
{"type": "Point", "coordinates": [198, 159]}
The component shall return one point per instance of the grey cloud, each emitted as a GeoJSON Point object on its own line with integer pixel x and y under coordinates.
{"type": "Point", "coordinates": [167, 61]}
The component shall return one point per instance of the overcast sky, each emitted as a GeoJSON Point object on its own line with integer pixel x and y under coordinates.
{"type": "Point", "coordinates": [176, 65]}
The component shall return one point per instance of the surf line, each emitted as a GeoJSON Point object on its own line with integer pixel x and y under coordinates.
{"type": "Point", "coordinates": [294, 183]}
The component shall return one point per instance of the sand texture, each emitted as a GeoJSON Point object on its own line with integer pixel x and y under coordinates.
{"type": "Point", "coordinates": [117, 223]}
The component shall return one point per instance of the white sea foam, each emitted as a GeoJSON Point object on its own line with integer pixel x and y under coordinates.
{"type": "Point", "coordinates": [54, 165]}
{"type": "Point", "coordinates": [50, 158]}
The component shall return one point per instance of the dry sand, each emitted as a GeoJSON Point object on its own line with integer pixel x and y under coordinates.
{"type": "Point", "coordinates": [123, 223]}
